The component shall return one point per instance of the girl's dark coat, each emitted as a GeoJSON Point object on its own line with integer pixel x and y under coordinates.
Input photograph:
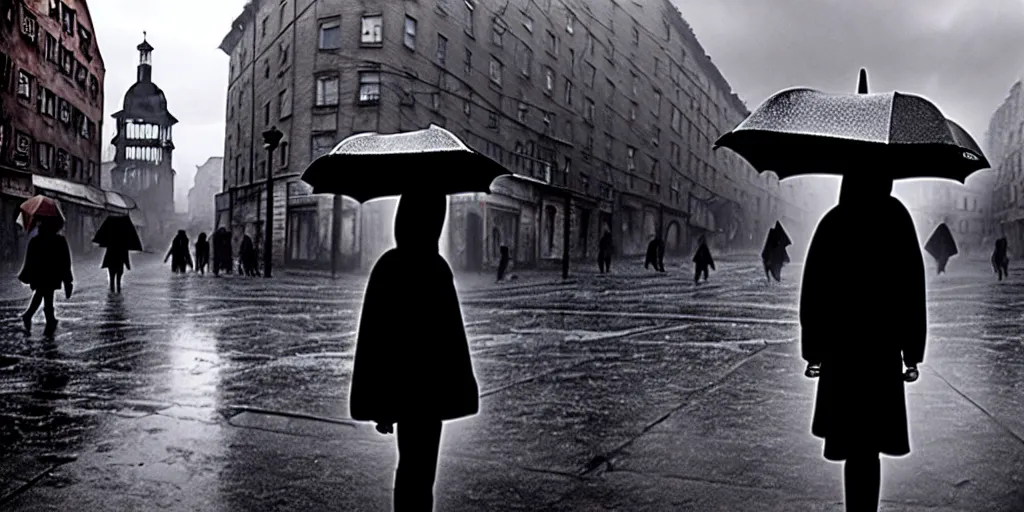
{"type": "Point", "coordinates": [116, 259]}
{"type": "Point", "coordinates": [862, 316]}
{"type": "Point", "coordinates": [47, 262]}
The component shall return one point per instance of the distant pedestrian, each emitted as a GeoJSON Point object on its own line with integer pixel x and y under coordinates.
{"type": "Point", "coordinates": [202, 253]}
{"type": "Point", "coordinates": [179, 253]}
{"type": "Point", "coordinates": [941, 246]}
{"type": "Point", "coordinates": [702, 261]}
{"type": "Point", "coordinates": [655, 254]}
{"type": "Point", "coordinates": [115, 260]}
{"type": "Point", "coordinates": [1000, 259]}
{"type": "Point", "coordinates": [222, 253]}
{"type": "Point", "coordinates": [47, 269]}
{"type": "Point", "coordinates": [503, 264]}
{"type": "Point", "coordinates": [604, 252]}
{"type": "Point", "coordinates": [247, 258]}
{"type": "Point", "coordinates": [774, 254]}
{"type": "Point", "coordinates": [412, 363]}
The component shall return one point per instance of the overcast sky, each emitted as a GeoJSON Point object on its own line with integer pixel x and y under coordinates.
{"type": "Point", "coordinates": [962, 54]}
{"type": "Point", "coordinates": [186, 64]}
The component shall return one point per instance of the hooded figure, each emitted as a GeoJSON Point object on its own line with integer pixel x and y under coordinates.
{"type": "Point", "coordinates": [179, 253]}
{"type": "Point", "coordinates": [702, 260]}
{"type": "Point", "coordinates": [1000, 260]}
{"type": "Point", "coordinates": [941, 246]}
{"type": "Point", "coordinates": [857, 334]}
{"type": "Point", "coordinates": [503, 264]}
{"type": "Point", "coordinates": [47, 268]}
{"type": "Point", "coordinates": [247, 257]}
{"type": "Point", "coordinates": [115, 260]}
{"type": "Point", "coordinates": [774, 254]}
{"type": "Point", "coordinates": [655, 254]}
{"type": "Point", "coordinates": [202, 253]}
{"type": "Point", "coordinates": [412, 364]}
{"type": "Point", "coordinates": [222, 256]}
{"type": "Point", "coordinates": [604, 252]}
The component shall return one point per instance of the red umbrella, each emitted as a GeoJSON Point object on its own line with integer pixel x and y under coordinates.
{"type": "Point", "coordinates": [39, 207]}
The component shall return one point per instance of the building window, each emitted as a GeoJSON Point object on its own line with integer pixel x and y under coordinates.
{"type": "Point", "coordinates": [496, 71]}
{"type": "Point", "coordinates": [263, 26]}
{"type": "Point", "coordinates": [327, 91]}
{"type": "Point", "coordinates": [372, 30]}
{"type": "Point", "coordinates": [369, 88]}
{"type": "Point", "coordinates": [442, 50]}
{"type": "Point", "coordinates": [284, 103]}
{"type": "Point", "coordinates": [522, 112]}
{"type": "Point", "coordinates": [266, 114]}
{"type": "Point", "coordinates": [25, 82]}
{"type": "Point", "coordinates": [588, 75]}
{"type": "Point", "coordinates": [330, 34]}
{"type": "Point", "coordinates": [549, 81]}
{"type": "Point", "coordinates": [68, 19]}
{"type": "Point", "coordinates": [266, 69]}
{"type": "Point", "coordinates": [467, 64]}
{"type": "Point", "coordinates": [467, 106]}
{"type": "Point", "coordinates": [47, 102]}
{"type": "Point", "coordinates": [570, 23]}
{"type": "Point", "coordinates": [435, 101]}
{"type": "Point", "coordinates": [410, 33]}
{"type": "Point", "coordinates": [568, 92]}
{"type": "Point", "coordinates": [281, 13]}
{"type": "Point", "coordinates": [636, 36]}
{"type": "Point", "coordinates": [630, 159]}
{"type": "Point", "coordinates": [76, 168]}
{"type": "Point", "coordinates": [45, 156]}
{"type": "Point", "coordinates": [551, 43]}
{"type": "Point", "coordinates": [655, 135]}
{"type": "Point", "coordinates": [282, 54]}
{"type": "Point", "coordinates": [656, 103]}
{"type": "Point", "coordinates": [526, 61]}
{"type": "Point", "coordinates": [677, 120]}
{"type": "Point", "coordinates": [469, 20]}
{"type": "Point", "coordinates": [588, 111]}
{"type": "Point", "coordinates": [632, 110]}
{"type": "Point", "coordinates": [50, 47]}
{"type": "Point", "coordinates": [497, 31]}
{"type": "Point", "coordinates": [527, 22]}
{"type": "Point", "coordinates": [492, 120]}
{"type": "Point", "coordinates": [84, 127]}
{"type": "Point", "coordinates": [444, 5]}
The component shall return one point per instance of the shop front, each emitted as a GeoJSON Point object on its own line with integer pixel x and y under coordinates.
{"type": "Point", "coordinates": [15, 188]}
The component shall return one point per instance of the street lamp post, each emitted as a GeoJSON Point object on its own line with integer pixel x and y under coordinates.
{"type": "Point", "coordinates": [271, 139]}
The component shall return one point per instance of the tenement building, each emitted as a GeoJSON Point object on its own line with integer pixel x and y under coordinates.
{"type": "Point", "coordinates": [207, 184]}
{"type": "Point", "coordinates": [144, 145]}
{"type": "Point", "coordinates": [51, 109]}
{"type": "Point", "coordinates": [610, 109]}
{"type": "Point", "coordinates": [1004, 147]}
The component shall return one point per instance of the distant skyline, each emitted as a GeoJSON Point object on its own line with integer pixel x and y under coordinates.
{"type": "Point", "coordinates": [187, 65]}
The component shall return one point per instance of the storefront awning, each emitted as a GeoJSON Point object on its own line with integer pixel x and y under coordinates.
{"type": "Point", "coordinates": [119, 200]}
{"type": "Point", "coordinates": [70, 191]}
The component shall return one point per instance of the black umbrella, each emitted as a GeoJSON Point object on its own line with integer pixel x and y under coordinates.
{"type": "Point", "coordinates": [941, 244]}
{"type": "Point", "coordinates": [804, 131]}
{"type": "Point", "coordinates": [371, 165]}
{"type": "Point", "coordinates": [118, 231]}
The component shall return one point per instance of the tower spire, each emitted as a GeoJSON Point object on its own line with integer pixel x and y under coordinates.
{"type": "Point", "coordinates": [145, 59]}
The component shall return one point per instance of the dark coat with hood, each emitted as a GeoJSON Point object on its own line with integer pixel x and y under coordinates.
{"type": "Point", "coordinates": [116, 260]}
{"type": "Point", "coordinates": [703, 257]}
{"type": "Point", "coordinates": [47, 262]}
{"type": "Point", "coordinates": [412, 356]}
{"type": "Point", "coordinates": [862, 317]}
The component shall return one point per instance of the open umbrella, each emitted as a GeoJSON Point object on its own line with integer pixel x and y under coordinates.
{"type": "Point", "coordinates": [118, 231]}
{"type": "Point", "coordinates": [39, 207]}
{"type": "Point", "coordinates": [371, 165]}
{"type": "Point", "coordinates": [804, 131]}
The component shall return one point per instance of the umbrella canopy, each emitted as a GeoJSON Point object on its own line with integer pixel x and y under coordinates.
{"type": "Point", "coordinates": [941, 244]}
{"type": "Point", "coordinates": [39, 207]}
{"type": "Point", "coordinates": [783, 237]}
{"type": "Point", "coordinates": [371, 165]}
{"type": "Point", "coordinates": [804, 131]}
{"type": "Point", "coordinates": [118, 231]}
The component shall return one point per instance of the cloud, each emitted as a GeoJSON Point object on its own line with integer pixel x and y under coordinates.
{"type": "Point", "coordinates": [962, 54]}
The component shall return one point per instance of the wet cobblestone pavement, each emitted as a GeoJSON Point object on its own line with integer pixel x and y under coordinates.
{"type": "Point", "coordinates": [630, 391]}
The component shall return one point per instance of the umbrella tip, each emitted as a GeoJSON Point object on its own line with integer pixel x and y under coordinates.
{"type": "Point", "coordinates": [862, 82]}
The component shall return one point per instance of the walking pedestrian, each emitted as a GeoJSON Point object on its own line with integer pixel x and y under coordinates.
{"type": "Point", "coordinates": [702, 260]}
{"type": "Point", "coordinates": [655, 254]}
{"type": "Point", "coordinates": [1000, 260]}
{"type": "Point", "coordinates": [47, 268]}
{"type": "Point", "coordinates": [604, 252]}
{"type": "Point", "coordinates": [858, 348]}
{"type": "Point", "coordinates": [503, 264]}
{"type": "Point", "coordinates": [222, 254]}
{"type": "Point", "coordinates": [202, 253]}
{"type": "Point", "coordinates": [115, 260]}
{"type": "Point", "coordinates": [247, 258]}
{"type": "Point", "coordinates": [179, 253]}
{"type": "Point", "coordinates": [412, 363]}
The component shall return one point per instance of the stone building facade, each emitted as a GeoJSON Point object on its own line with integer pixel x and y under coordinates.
{"type": "Point", "coordinates": [614, 104]}
{"type": "Point", "coordinates": [965, 209]}
{"type": "Point", "coordinates": [144, 145]}
{"type": "Point", "coordinates": [51, 109]}
{"type": "Point", "coordinates": [1004, 147]}
{"type": "Point", "coordinates": [206, 185]}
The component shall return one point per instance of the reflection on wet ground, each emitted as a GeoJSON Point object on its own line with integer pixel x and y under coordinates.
{"type": "Point", "coordinates": [156, 398]}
